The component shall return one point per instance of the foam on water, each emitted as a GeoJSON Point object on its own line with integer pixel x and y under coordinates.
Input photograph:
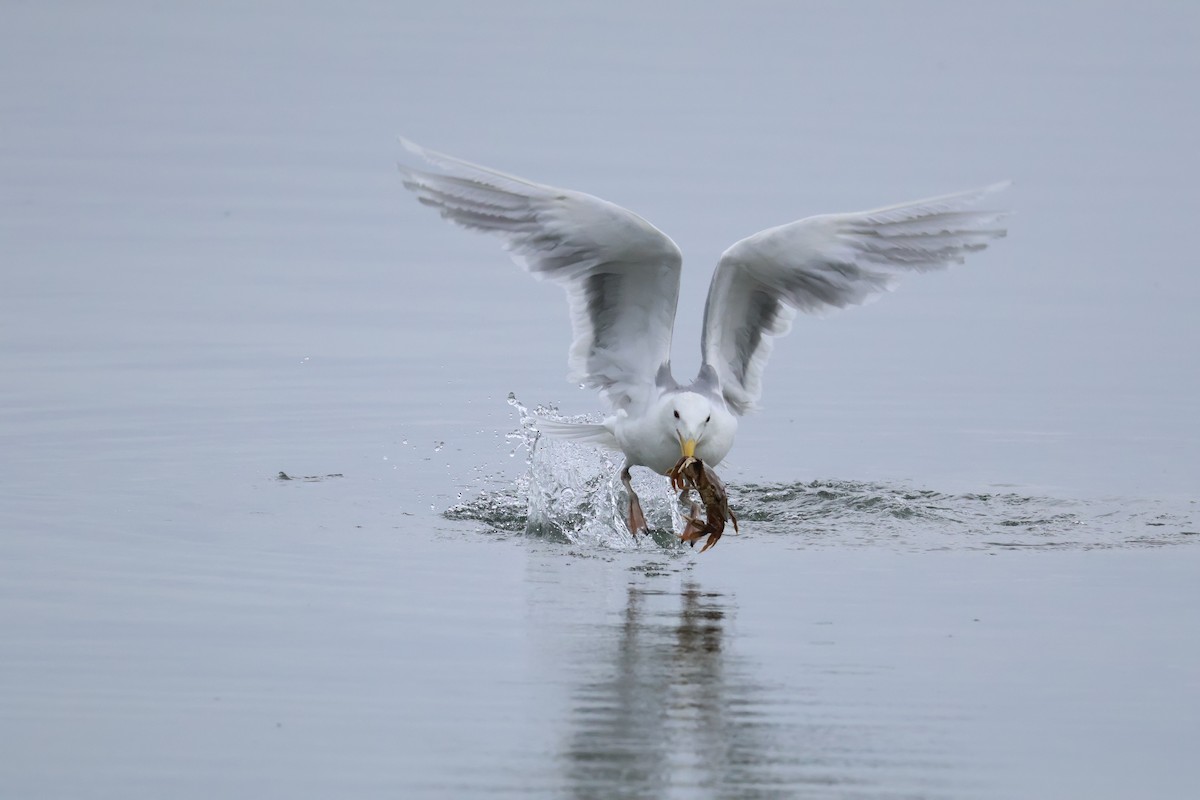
{"type": "Point", "coordinates": [572, 492]}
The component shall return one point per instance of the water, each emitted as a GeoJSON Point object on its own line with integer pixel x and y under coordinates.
{"type": "Point", "coordinates": [573, 493]}
{"type": "Point", "coordinates": [967, 561]}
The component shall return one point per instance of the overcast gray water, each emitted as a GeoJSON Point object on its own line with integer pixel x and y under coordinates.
{"type": "Point", "coordinates": [968, 561]}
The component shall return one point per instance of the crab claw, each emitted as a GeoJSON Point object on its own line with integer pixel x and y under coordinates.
{"type": "Point", "coordinates": [695, 526]}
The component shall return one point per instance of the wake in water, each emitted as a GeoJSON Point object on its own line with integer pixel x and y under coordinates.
{"type": "Point", "coordinates": [572, 493]}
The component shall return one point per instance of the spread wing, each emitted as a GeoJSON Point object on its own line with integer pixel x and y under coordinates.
{"type": "Point", "coordinates": [824, 262]}
{"type": "Point", "coordinates": [621, 274]}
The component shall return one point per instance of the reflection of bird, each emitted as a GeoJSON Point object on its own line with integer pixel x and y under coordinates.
{"type": "Point", "coordinates": [659, 701]}
{"type": "Point", "coordinates": [621, 275]}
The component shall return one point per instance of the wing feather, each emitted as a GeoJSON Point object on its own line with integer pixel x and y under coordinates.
{"type": "Point", "coordinates": [620, 273]}
{"type": "Point", "coordinates": [825, 262]}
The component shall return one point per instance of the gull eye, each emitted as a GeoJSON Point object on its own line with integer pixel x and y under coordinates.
{"type": "Point", "coordinates": [708, 419]}
{"type": "Point", "coordinates": [676, 413]}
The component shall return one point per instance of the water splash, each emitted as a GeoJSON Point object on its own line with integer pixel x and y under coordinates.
{"type": "Point", "coordinates": [572, 493]}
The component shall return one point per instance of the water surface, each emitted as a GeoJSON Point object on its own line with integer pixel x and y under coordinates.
{"type": "Point", "coordinates": [968, 562]}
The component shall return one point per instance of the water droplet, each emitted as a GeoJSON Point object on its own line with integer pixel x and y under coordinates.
{"type": "Point", "coordinates": [437, 446]}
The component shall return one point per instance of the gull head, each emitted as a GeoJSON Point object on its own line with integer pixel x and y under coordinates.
{"type": "Point", "coordinates": [691, 415]}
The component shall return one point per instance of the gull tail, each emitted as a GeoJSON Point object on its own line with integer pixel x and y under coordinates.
{"type": "Point", "coordinates": [587, 432]}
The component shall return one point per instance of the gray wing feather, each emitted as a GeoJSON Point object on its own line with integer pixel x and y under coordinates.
{"type": "Point", "coordinates": [826, 262]}
{"type": "Point", "coordinates": [620, 273]}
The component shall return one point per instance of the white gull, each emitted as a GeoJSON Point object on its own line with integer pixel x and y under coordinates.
{"type": "Point", "coordinates": [621, 275]}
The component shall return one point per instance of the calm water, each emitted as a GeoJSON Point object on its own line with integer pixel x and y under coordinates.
{"type": "Point", "coordinates": [968, 561]}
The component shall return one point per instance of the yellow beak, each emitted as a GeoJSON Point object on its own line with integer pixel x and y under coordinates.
{"type": "Point", "coordinates": [688, 448]}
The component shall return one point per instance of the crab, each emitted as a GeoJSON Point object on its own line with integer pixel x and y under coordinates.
{"type": "Point", "coordinates": [692, 473]}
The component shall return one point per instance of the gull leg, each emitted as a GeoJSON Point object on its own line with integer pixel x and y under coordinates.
{"type": "Point", "coordinates": [636, 519]}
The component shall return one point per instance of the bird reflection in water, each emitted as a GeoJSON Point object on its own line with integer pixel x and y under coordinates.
{"type": "Point", "coordinates": [673, 709]}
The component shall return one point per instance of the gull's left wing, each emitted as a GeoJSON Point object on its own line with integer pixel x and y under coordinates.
{"type": "Point", "coordinates": [824, 262]}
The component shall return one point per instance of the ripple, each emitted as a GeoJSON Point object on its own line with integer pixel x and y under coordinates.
{"type": "Point", "coordinates": [865, 513]}
{"type": "Point", "coordinates": [571, 493]}
{"type": "Point", "coordinates": [854, 513]}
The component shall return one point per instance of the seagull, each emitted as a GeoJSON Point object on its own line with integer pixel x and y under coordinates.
{"type": "Point", "coordinates": [621, 276]}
